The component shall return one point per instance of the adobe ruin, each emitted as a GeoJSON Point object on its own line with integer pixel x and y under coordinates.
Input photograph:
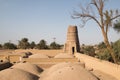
{"type": "Point", "coordinates": [72, 44]}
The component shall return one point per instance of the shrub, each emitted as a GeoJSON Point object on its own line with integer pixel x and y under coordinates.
{"type": "Point", "coordinates": [32, 45]}
{"type": "Point", "coordinates": [42, 45]}
{"type": "Point", "coordinates": [24, 44]}
{"type": "Point", "coordinates": [54, 45]}
{"type": "Point", "coordinates": [104, 55]}
{"type": "Point", "coordinates": [101, 45]}
{"type": "Point", "coordinates": [0, 46]}
{"type": "Point", "coordinates": [116, 47]}
{"type": "Point", "coordinates": [89, 50]}
{"type": "Point", "coordinates": [9, 45]}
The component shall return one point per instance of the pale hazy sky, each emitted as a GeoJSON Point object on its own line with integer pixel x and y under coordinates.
{"type": "Point", "coordinates": [46, 19]}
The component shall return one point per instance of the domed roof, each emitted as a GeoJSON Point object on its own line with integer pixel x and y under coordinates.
{"type": "Point", "coordinates": [32, 68]}
{"type": "Point", "coordinates": [38, 56]}
{"type": "Point", "coordinates": [75, 72]}
{"type": "Point", "coordinates": [16, 74]}
{"type": "Point", "coordinates": [59, 66]}
{"type": "Point", "coordinates": [64, 55]}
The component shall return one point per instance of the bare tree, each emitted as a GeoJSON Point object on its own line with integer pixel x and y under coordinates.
{"type": "Point", "coordinates": [104, 18]}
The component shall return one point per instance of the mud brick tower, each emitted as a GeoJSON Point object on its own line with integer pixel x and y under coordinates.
{"type": "Point", "coordinates": [72, 44]}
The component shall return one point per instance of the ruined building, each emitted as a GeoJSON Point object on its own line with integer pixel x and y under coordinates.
{"type": "Point", "coordinates": [72, 43]}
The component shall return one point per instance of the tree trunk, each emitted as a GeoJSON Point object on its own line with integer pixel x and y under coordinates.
{"type": "Point", "coordinates": [108, 45]}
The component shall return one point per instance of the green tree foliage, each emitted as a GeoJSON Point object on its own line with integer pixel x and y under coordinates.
{"type": "Point", "coordinates": [42, 45]}
{"type": "Point", "coordinates": [9, 45]}
{"type": "Point", "coordinates": [0, 46]}
{"type": "Point", "coordinates": [103, 52]}
{"type": "Point", "coordinates": [32, 45]}
{"type": "Point", "coordinates": [116, 47]}
{"type": "Point", "coordinates": [104, 55]}
{"type": "Point", "coordinates": [24, 44]}
{"type": "Point", "coordinates": [101, 45]}
{"type": "Point", "coordinates": [89, 50]}
{"type": "Point", "coordinates": [54, 45]}
{"type": "Point", "coordinates": [117, 26]}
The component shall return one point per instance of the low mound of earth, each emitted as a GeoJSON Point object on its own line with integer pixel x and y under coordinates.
{"type": "Point", "coordinates": [37, 55]}
{"type": "Point", "coordinates": [59, 66]}
{"type": "Point", "coordinates": [16, 74]}
{"type": "Point", "coordinates": [32, 68]}
{"type": "Point", "coordinates": [67, 71]}
{"type": "Point", "coordinates": [64, 55]}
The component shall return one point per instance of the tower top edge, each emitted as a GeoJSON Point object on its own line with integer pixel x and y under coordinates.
{"type": "Point", "coordinates": [72, 26]}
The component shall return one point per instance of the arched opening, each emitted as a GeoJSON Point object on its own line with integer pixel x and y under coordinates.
{"type": "Point", "coordinates": [73, 50]}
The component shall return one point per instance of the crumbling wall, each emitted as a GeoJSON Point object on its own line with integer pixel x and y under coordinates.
{"type": "Point", "coordinates": [97, 64]}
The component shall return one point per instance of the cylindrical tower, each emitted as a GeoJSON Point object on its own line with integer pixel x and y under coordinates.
{"type": "Point", "coordinates": [72, 44]}
{"type": "Point", "coordinates": [72, 35]}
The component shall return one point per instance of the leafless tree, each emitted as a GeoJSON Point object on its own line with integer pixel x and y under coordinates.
{"type": "Point", "coordinates": [104, 18]}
